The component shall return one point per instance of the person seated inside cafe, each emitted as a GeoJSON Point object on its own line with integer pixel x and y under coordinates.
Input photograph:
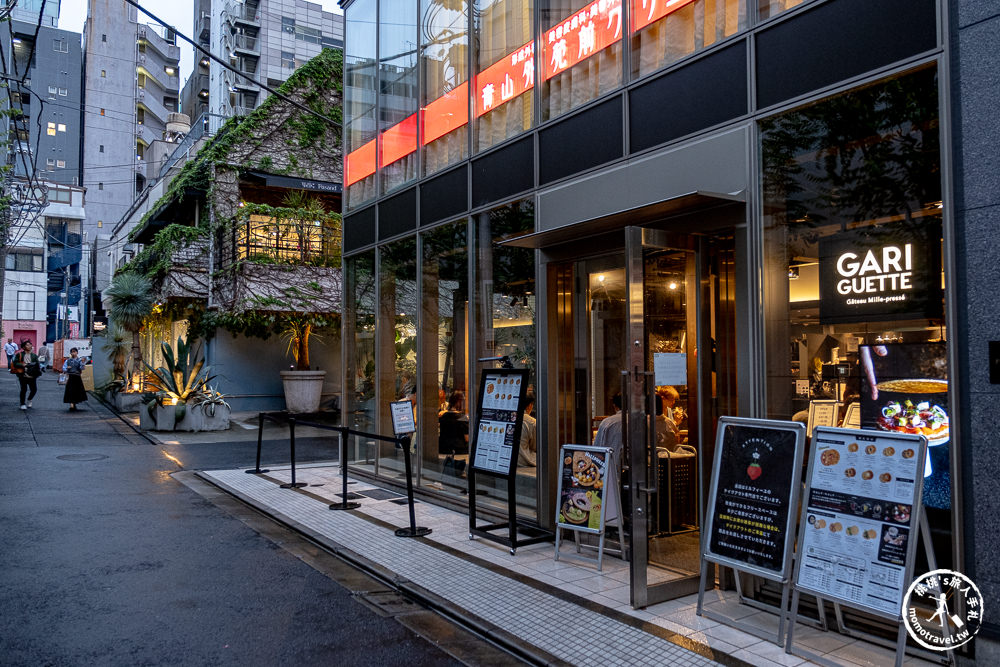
{"type": "Point", "coordinates": [665, 417]}
{"type": "Point", "coordinates": [453, 439]}
{"type": "Point", "coordinates": [528, 451]}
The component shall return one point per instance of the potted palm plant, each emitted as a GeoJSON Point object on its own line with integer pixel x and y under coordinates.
{"type": "Point", "coordinates": [131, 297]}
{"type": "Point", "coordinates": [183, 399]}
{"type": "Point", "coordinates": [303, 385]}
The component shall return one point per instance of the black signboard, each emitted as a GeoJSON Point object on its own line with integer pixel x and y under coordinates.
{"type": "Point", "coordinates": [881, 273]}
{"type": "Point", "coordinates": [497, 435]}
{"type": "Point", "coordinates": [754, 495]}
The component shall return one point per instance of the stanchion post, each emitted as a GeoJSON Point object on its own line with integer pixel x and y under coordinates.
{"type": "Point", "coordinates": [413, 530]}
{"type": "Point", "coordinates": [260, 441]}
{"type": "Point", "coordinates": [291, 443]}
{"type": "Point", "coordinates": [344, 504]}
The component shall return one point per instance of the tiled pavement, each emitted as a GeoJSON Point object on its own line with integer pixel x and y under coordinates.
{"type": "Point", "coordinates": [566, 610]}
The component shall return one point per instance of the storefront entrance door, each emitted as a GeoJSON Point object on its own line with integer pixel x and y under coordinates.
{"type": "Point", "coordinates": [680, 332]}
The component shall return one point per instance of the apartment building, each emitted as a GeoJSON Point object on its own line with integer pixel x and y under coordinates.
{"type": "Point", "coordinates": [131, 75]}
{"type": "Point", "coordinates": [266, 39]}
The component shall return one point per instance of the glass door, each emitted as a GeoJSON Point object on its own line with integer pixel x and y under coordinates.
{"type": "Point", "coordinates": [679, 320]}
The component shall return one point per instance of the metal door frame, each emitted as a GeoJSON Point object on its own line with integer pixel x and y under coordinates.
{"type": "Point", "coordinates": [640, 445]}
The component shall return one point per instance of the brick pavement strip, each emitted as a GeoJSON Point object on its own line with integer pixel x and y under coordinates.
{"type": "Point", "coordinates": [559, 627]}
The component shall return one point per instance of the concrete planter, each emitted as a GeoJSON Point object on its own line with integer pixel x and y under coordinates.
{"type": "Point", "coordinates": [303, 390]}
{"type": "Point", "coordinates": [126, 402]}
{"type": "Point", "coordinates": [194, 418]}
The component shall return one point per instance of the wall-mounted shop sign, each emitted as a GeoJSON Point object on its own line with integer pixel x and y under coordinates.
{"type": "Point", "coordinates": [878, 273]}
{"type": "Point", "coordinates": [583, 34]}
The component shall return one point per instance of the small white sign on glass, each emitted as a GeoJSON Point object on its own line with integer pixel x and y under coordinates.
{"type": "Point", "coordinates": [670, 368]}
{"type": "Point", "coordinates": [402, 417]}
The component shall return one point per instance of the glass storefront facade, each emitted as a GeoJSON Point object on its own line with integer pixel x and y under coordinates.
{"type": "Point", "coordinates": [795, 251]}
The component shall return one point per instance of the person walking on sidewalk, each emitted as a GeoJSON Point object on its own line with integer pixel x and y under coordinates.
{"type": "Point", "coordinates": [10, 349]}
{"type": "Point", "coordinates": [75, 391]}
{"type": "Point", "coordinates": [25, 366]}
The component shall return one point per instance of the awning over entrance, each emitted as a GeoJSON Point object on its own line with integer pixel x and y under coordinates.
{"type": "Point", "coordinates": [690, 202]}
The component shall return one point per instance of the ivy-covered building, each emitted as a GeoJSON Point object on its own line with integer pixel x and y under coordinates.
{"type": "Point", "coordinates": [245, 243]}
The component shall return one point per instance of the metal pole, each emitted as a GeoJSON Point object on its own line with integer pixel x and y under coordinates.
{"type": "Point", "coordinates": [413, 530]}
{"type": "Point", "coordinates": [291, 443]}
{"type": "Point", "coordinates": [344, 504]}
{"type": "Point", "coordinates": [260, 437]}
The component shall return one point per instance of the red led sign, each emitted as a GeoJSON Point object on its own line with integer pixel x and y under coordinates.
{"type": "Point", "coordinates": [505, 79]}
{"type": "Point", "coordinates": [398, 141]}
{"type": "Point", "coordinates": [645, 12]}
{"type": "Point", "coordinates": [359, 163]}
{"type": "Point", "coordinates": [585, 33]}
{"type": "Point", "coordinates": [445, 114]}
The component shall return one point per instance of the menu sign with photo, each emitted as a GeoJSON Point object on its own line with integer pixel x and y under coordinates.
{"type": "Point", "coordinates": [904, 389]}
{"type": "Point", "coordinates": [496, 437]}
{"type": "Point", "coordinates": [860, 514]}
{"type": "Point", "coordinates": [754, 492]}
{"type": "Point", "coordinates": [583, 477]}
{"type": "Point", "coordinates": [880, 273]}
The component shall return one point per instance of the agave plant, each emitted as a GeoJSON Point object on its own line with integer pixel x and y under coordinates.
{"type": "Point", "coordinates": [184, 376]}
{"type": "Point", "coordinates": [131, 296]}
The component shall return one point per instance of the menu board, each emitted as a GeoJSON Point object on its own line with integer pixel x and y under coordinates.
{"type": "Point", "coordinates": [753, 495]}
{"type": "Point", "coordinates": [583, 476]}
{"type": "Point", "coordinates": [822, 413]}
{"type": "Point", "coordinates": [402, 417]}
{"type": "Point", "coordinates": [855, 543]}
{"type": "Point", "coordinates": [501, 410]}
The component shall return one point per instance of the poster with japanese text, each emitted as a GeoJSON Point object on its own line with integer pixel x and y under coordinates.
{"type": "Point", "coordinates": [583, 475]}
{"type": "Point", "coordinates": [754, 493]}
{"type": "Point", "coordinates": [858, 517]}
{"type": "Point", "coordinates": [496, 438]}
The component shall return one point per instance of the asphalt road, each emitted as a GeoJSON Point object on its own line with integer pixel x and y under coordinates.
{"type": "Point", "coordinates": [108, 559]}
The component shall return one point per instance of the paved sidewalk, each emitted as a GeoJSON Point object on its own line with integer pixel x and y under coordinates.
{"type": "Point", "coordinates": [563, 611]}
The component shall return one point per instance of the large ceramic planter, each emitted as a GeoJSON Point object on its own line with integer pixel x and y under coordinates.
{"type": "Point", "coordinates": [194, 418]}
{"type": "Point", "coordinates": [303, 390]}
{"type": "Point", "coordinates": [158, 418]}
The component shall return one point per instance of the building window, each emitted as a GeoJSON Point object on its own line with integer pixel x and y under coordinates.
{"type": "Point", "coordinates": [288, 25]}
{"type": "Point", "coordinates": [170, 71]}
{"type": "Point", "coordinates": [62, 127]}
{"type": "Point", "coordinates": [104, 74]}
{"type": "Point", "coordinates": [104, 38]}
{"type": "Point", "coordinates": [100, 186]}
{"type": "Point", "coordinates": [63, 92]}
{"type": "Point", "coordinates": [504, 308]}
{"type": "Point", "coordinates": [769, 8]}
{"type": "Point", "coordinates": [852, 217]}
{"type": "Point", "coordinates": [24, 260]}
{"type": "Point", "coordinates": [50, 129]}
{"type": "Point", "coordinates": [60, 45]}
{"type": "Point", "coordinates": [53, 90]}
{"type": "Point", "coordinates": [445, 317]}
{"type": "Point", "coordinates": [287, 60]}
{"type": "Point", "coordinates": [102, 112]}
{"type": "Point", "coordinates": [50, 162]}
{"type": "Point", "coordinates": [360, 128]}
{"type": "Point", "coordinates": [359, 352]}
{"type": "Point", "coordinates": [60, 195]}
{"type": "Point", "coordinates": [25, 305]}
{"type": "Point", "coordinates": [398, 94]}
{"type": "Point", "coordinates": [504, 40]}
{"type": "Point", "coordinates": [443, 57]}
{"type": "Point", "coordinates": [310, 35]}
{"type": "Point", "coordinates": [669, 33]}
{"type": "Point", "coordinates": [100, 149]}
{"type": "Point", "coordinates": [60, 164]}
{"type": "Point", "coordinates": [142, 80]}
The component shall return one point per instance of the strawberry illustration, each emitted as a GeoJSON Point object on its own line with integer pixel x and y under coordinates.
{"type": "Point", "coordinates": [754, 470]}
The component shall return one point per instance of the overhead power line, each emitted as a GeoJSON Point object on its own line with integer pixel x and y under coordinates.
{"type": "Point", "coordinates": [229, 67]}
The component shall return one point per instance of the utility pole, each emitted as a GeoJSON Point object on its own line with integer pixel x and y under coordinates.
{"type": "Point", "coordinates": [65, 296]}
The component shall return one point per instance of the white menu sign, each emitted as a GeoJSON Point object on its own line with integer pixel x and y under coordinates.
{"type": "Point", "coordinates": [860, 517]}
{"type": "Point", "coordinates": [402, 417]}
{"type": "Point", "coordinates": [670, 368]}
{"type": "Point", "coordinates": [495, 436]}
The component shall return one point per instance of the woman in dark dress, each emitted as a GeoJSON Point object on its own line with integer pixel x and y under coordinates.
{"type": "Point", "coordinates": [75, 392]}
{"type": "Point", "coordinates": [454, 437]}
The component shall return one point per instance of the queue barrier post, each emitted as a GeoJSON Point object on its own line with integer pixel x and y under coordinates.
{"type": "Point", "coordinates": [413, 531]}
{"type": "Point", "coordinates": [344, 504]}
{"type": "Point", "coordinates": [260, 437]}
{"type": "Point", "coordinates": [291, 443]}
